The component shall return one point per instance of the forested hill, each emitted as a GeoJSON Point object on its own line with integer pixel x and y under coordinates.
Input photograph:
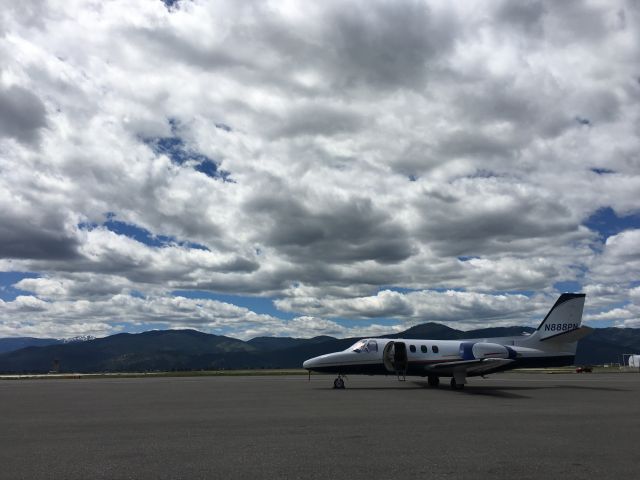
{"type": "Point", "coordinates": [168, 350]}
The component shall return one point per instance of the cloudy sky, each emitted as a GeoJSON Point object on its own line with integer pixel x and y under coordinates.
{"type": "Point", "coordinates": [302, 168]}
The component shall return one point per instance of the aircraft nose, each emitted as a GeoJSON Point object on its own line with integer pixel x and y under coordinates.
{"type": "Point", "coordinates": [310, 363]}
{"type": "Point", "coordinates": [323, 361]}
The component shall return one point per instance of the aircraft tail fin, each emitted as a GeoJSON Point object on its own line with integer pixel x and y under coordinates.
{"type": "Point", "coordinates": [562, 327]}
{"type": "Point", "coordinates": [565, 316]}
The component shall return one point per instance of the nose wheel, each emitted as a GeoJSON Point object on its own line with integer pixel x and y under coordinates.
{"type": "Point", "coordinates": [338, 383]}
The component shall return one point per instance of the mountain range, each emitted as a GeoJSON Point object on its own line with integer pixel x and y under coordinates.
{"type": "Point", "coordinates": [176, 350]}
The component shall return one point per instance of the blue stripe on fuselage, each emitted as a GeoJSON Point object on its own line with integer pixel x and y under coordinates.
{"type": "Point", "coordinates": [418, 368]}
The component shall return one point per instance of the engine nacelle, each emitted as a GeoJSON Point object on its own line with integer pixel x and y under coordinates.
{"type": "Point", "coordinates": [481, 350]}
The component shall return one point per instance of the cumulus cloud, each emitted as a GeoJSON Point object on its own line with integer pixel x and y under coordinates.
{"type": "Point", "coordinates": [612, 280]}
{"type": "Point", "coordinates": [463, 308]}
{"type": "Point", "coordinates": [362, 159]}
{"type": "Point", "coordinates": [307, 326]}
{"type": "Point", "coordinates": [96, 317]}
{"type": "Point", "coordinates": [620, 259]}
{"type": "Point", "coordinates": [22, 114]}
{"type": "Point", "coordinates": [170, 312]}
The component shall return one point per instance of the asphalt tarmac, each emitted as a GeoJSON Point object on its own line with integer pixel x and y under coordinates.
{"type": "Point", "coordinates": [523, 426]}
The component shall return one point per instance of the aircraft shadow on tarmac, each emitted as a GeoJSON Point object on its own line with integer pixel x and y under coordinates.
{"type": "Point", "coordinates": [498, 391]}
{"type": "Point", "coordinates": [488, 391]}
{"type": "Point", "coordinates": [507, 391]}
{"type": "Point", "coordinates": [469, 390]}
{"type": "Point", "coordinates": [501, 391]}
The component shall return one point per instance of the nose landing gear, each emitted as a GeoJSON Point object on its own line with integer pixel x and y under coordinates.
{"type": "Point", "coordinates": [338, 383]}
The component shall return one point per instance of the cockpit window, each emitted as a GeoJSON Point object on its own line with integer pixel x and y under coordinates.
{"type": "Point", "coordinates": [359, 346]}
{"type": "Point", "coordinates": [365, 346]}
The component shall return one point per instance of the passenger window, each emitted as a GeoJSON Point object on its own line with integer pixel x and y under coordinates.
{"type": "Point", "coordinates": [372, 346]}
{"type": "Point", "coordinates": [424, 349]}
{"type": "Point", "coordinates": [412, 348]}
{"type": "Point", "coordinates": [434, 348]}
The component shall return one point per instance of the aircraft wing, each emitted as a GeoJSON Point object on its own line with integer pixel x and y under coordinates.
{"type": "Point", "coordinates": [483, 365]}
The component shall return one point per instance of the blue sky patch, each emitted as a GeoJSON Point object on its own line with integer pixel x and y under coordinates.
{"type": "Point", "coordinates": [171, 4]}
{"type": "Point", "coordinates": [173, 147]}
{"type": "Point", "coordinates": [210, 169]}
{"type": "Point", "coordinates": [176, 149]}
{"type": "Point", "coordinates": [9, 293]}
{"type": "Point", "coordinates": [607, 223]}
{"type": "Point", "coordinates": [140, 234]}
{"type": "Point", "coordinates": [568, 286]}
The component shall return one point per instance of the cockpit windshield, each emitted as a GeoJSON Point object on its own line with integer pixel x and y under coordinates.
{"type": "Point", "coordinates": [365, 346]}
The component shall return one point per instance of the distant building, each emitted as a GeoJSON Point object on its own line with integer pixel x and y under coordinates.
{"type": "Point", "coordinates": [634, 361]}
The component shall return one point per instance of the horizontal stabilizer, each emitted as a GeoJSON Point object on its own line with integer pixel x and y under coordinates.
{"type": "Point", "coordinates": [569, 336]}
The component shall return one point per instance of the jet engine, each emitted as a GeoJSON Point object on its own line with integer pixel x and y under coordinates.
{"type": "Point", "coordinates": [481, 350]}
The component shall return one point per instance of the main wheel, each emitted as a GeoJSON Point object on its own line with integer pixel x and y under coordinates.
{"type": "Point", "coordinates": [455, 385]}
{"type": "Point", "coordinates": [433, 380]}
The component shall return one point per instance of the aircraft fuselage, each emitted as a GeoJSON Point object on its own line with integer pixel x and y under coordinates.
{"type": "Point", "coordinates": [425, 357]}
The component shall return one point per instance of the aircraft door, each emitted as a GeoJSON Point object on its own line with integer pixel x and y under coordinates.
{"type": "Point", "coordinates": [395, 357]}
{"type": "Point", "coordinates": [400, 360]}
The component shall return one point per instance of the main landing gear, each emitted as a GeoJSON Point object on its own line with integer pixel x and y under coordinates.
{"type": "Point", "coordinates": [338, 383]}
{"type": "Point", "coordinates": [455, 385]}
{"type": "Point", "coordinates": [433, 380]}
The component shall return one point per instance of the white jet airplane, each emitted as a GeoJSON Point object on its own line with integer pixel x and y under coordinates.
{"type": "Point", "coordinates": [553, 344]}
